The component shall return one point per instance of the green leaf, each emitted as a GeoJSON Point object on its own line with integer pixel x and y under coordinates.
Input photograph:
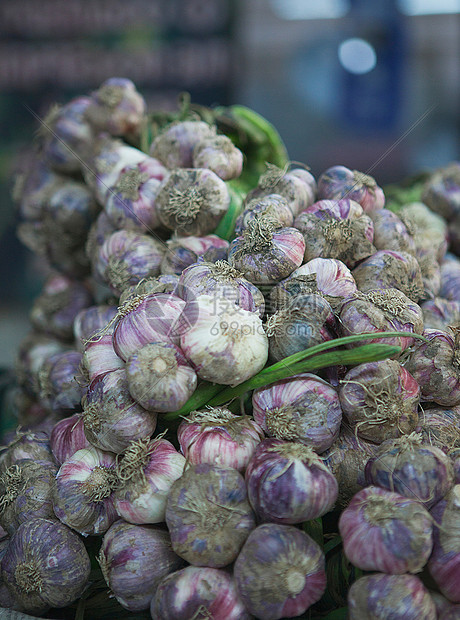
{"type": "Point", "coordinates": [332, 544]}
{"type": "Point", "coordinates": [337, 614]}
{"type": "Point", "coordinates": [226, 227]}
{"type": "Point", "coordinates": [314, 529]}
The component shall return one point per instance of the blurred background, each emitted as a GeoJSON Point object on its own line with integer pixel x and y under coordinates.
{"type": "Point", "coordinates": [373, 85]}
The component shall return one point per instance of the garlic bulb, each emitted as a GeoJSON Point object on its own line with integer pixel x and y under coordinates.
{"type": "Point", "coordinates": [326, 276]}
{"type": "Point", "coordinates": [174, 145]}
{"type": "Point", "coordinates": [273, 206]}
{"type": "Point", "coordinates": [126, 257]}
{"type": "Point", "coordinates": [386, 532]}
{"type": "Point", "coordinates": [145, 474]}
{"type": "Point", "coordinates": [288, 483]}
{"type": "Point", "coordinates": [304, 408]}
{"type": "Point", "coordinates": [33, 350]}
{"type": "Point", "coordinates": [442, 191]}
{"type": "Point", "coordinates": [26, 492]}
{"type": "Point", "coordinates": [131, 203]}
{"type": "Point", "coordinates": [117, 107]}
{"type": "Point", "coordinates": [46, 565]}
{"type": "Point", "coordinates": [391, 233]}
{"type": "Point", "coordinates": [225, 347]}
{"type": "Point", "coordinates": [159, 377]}
{"type": "Point", "coordinates": [219, 437]}
{"type": "Point", "coordinates": [208, 515]}
{"type": "Point", "coordinates": [339, 182]}
{"type": "Point", "coordinates": [428, 228]}
{"type": "Point", "coordinates": [440, 427]}
{"type": "Point", "coordinates": [211, 592]}
{"type": "Point", "coordinates": [192, 201]}
{"type": "Point", "coordinates": [67, 437]}
{"type": "Point", "coordinates": [380, 400]}
{"type": "Point", "coordinates": [436, 366]}
{"type": "Point", "coordinates": [431, 272]}
{"type": "Point", "coordinates": [308, 320]}
{"type": "Point", "coordinates": [226, 284]}
{"type": "Point", "coordinates": [280, 572]}
{"type": "Point", "coordinates": [266, 254]}
{"type": "Point", "coordinates": [336, 229]}
{"type": "Point", "coordinates": [83, 494]}
{"type": "Point", "coordinates": [154, 317]}
{"type": "Point", "coordinates": [407, 466]}
{"type": "Point", "coordinates": [450, 280]}
{"type": "Point", "coordinates": [219, 154]}
{"type": "Point", "coordinates": [32, 445]}
{"type": "Point", "coordinates": [99, 356]}
{"type": "Point", "coordinates": [381, 310]}
{"type": "Point", "coordinates": [134, 559]}
{"type": "Point", "coordinates": [444, 563]}
{"type": "Point", "coordinates": [387, 269]}
{"type": "Point", "coordinates": [164, 283]}
{"type": "Point", "coordinates": [184, 251]}
{"type": "Point", "coordinates": [60, 389]}
{"type": "Point", "coordinates": [112, 418]}
{"type": "Point", "coordinates": [439, 313]}
{"type": "Point", "coordinates": [380, 596]}
{"type": "Point", "coordinates": [91, 320]}
{"type": "Point", "coordinates": [101, 228]}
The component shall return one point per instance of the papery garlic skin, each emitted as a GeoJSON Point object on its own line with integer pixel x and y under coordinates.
{"type": "Point", "coordinates": [386, 532]}
{"type": "Point", "coordinates": [439, 313]}
{"type": "Point", "coordinates": [338, 182]}
{"type": "Point", "coordinates": [380, 400]}
{"type": "Point", "coordinates": [219, 437]}
{"type": "Point", "coordinates": [198, 590]}
{"type": "Point", "coordinates": [133, 560]}
{"type": "Point", "coordinates": [46, 565]}
{"type": "Point", "coordinates": [67, 437]}
{"type": "Point", "coordinates": [225, 347]}
{"type": "Point", "coordinates": [83, 494]}
{"type": "Point", "coordinates": [160, 378]}
{"type": "Point", "coordinates": [391, 233]}
{"type": "Point", "coordinates": [90, 321]}
{"type": "Point", "coordinates": [145, 473]}
{"type": "Point", "coordinates": [272, 205]}
{"type": "Point", "coordinates": [444, 563]}
{"type": "Point", "coordinates": [60, 389]}
{"type": "Point", "coordinates": [33, 350]}
{"type": "Point", "coordinates": [280, 572]}
{"type": "Point", "coordinates": [184, 251]}
{"type": "Point", "coordinates": [219, 154]}
{"type": "Point", "coordinates": [288, 483]}
{"type": "Point", "coordinates": [32, 445]}
{"type": "Point", "coordinates": [304, 408]}
{"type": "Point", "coordinates": [442, 191]}
{"type": "Point", "coordinates": [406, 466]}
{"type": "Point", "coordinates": [380, 596]}
{"type": "Point", "coordinates": [427, 227]}
{"type": "Point", "coordinates": [112, 418]}
{"type": "Point", "coordinates": [440, 427]}
{"type": "Point", "coordinates": [99, 356]}
{"type": "Point", "coordinates": [164, 283]}
{"type": "Point", "coordinates": [208, 515]}
{"type": "Point", "coordinates": [174, 145]}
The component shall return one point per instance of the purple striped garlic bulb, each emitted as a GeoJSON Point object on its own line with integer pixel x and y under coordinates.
{"type": "Point", "coordinates": [219, 154]}
{"type": "Point", "coordinates": [381, 310]}
{"type": "Point", "coordinates": [67, 437]}
{"type": "Point", "coordinates": [386, 532]}
{"type": "Point", "coordinates": [211, 592]}
{"type": "Point", "coordinates": [83, 493]}
{"type": "Point", "coordinates": [31, 353]}
{"type": "Point", "coordinates": [305, 409]}
{"type": "Point", "coordinates": [273, 206]}
{"type": "Point", "coordinates": [126, 257]}
{"type": "Point", "coordinates": [154, 317]}
{"type": "Point", "coordinates": [91, 320]}
{"type": "Point", "coordinates": [130, 204]}
{"type": "Point", "coordinates": [192, 201]}
{"type": "Point", "coordinates": [208, 515]}
{"type": "Point", "coordinates": [101, 228]}
{"type": "Point", "coordinates": [307, 321]}
{"type": "Point", "coordinates": [226, 347]}
{"type": "Point", "coordinates": [288, 483]}
{"type": "Point", "coordinates": [428, 228]}
{"type": "Point", "coordinates": [46, 565]}
{"type": "Point", "coordinates": [326, 276]}
{"type": "Point", "coordinates": [444, 563]}
{"type": "Point", "coordinates": [439, 313]}
{"type": "Point", "coordinates": [442, 191]}
{"type": "Point", "coordinates": [99, 356]}
{"type": "Point", "coordinates": [450, 280]}
{"type": "Point", "coordinates": [391, 233]}
{"type": "Point", "coordinates": [134, 559]}
{"type": "Point", "coordinates": [112, 418]}
{"type": "Point", "coordinates": [296, 185]}
{"type": "Point", "coordinates": [25, 444]}
{"type": "Point", "coordinates": [440, 427]}
{"type": "Point", "coordinates": [160, 284]}
{"type": "Point", "coordinates": [220, 280]}
{"type": "Point", "coordinates": [174, 145]}
{"type": "Point", "coordinates": [436, 366]}
{"type": "Point", "coordinates": [380, 400]}
{"type": "Point", "coordinates": [117, 107]}
{"type": "Point", "coordinates": [159, 377]}
{"type": "Point", "coordinates": [399, 597]}
{"type": "Point", "coordinates": [340, 182]}
{"type": "Point", "coordinates": [336, 229]}
{"type": "Point", "coordinates": [60, 386]}
{"type": "Point", "coordinates": [145, 473]}
{"type": "Point", "coordinates": [266, 254]}
{"type": "Point", "coordinates": [26, 492]}
{"type": "Point", "coordinates": [280, 572]}
{"type": "Point", "coordinates": [387, 269]}
{"type": "Point", "coordinates": [219, 437]}
{"type": "Point", "coordinates": [182, 252]}
{"type": "Point", "coordinates": [407, 466]}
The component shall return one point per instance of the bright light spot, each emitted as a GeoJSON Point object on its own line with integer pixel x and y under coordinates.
{"type": "Point", "coordinates": [429, 7]}
{"type": "Point", "coordinates": [310, 9]}
{"type": "Point", "coordinates": [357, 56]}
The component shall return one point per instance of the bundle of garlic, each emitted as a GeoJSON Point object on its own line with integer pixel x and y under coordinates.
{"type": "Point", "coordinates": [241, 384]}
